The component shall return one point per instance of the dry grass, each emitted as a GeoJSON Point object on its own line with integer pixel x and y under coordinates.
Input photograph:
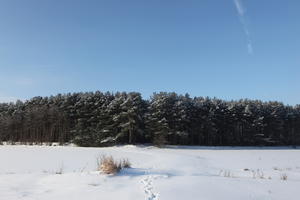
{"type": "Point", "coordinates": [283, 177]}
{"type": "Point", "coordinates": [277, 168]}
{"type": "Point", "coordinates": [60, 170]}
{"type": "Point", "coordinates": [108, 165]}
{"type": "Point", "coordinates": [226, 173]}
{"type": "Point", "coordinates": [126, 163]}
{"type": "Point", "coordinates": [258, 174]}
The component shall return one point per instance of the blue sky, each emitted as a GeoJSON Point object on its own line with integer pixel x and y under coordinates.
{"type": "Point", "coordinates": [229, 49]}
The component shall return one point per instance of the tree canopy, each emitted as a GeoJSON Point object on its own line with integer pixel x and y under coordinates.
{"type": "Point", "coordinates": [101, 119]}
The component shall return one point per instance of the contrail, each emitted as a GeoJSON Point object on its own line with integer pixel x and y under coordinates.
{"type": "Point", "coordinates": [241, 12]}
{"type": "Point", "coordinates": [239, 7]}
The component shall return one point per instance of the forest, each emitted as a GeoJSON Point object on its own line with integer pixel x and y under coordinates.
{"type": "Point", "coordinates": [104, 119]}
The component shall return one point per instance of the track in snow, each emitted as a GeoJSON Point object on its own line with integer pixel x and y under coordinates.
{"type": "Point", "coordinates": [148, 188]}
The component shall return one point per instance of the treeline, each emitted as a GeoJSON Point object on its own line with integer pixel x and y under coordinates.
{"type": "Point", "coordinates": [101, 119]}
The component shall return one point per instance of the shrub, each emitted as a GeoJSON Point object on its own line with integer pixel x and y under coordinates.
{"type": "Point", "coordinates": [107, 165]}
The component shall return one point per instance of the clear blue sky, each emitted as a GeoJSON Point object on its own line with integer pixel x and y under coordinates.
{"type": "Point", "coordinates": [228, 49]}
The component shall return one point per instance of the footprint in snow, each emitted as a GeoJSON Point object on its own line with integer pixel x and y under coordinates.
{"type": "Point", "coordinates": [148, 188]}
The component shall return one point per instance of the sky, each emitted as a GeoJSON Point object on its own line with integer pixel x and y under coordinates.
{"type": "Point", "coordinates": [229, 49]}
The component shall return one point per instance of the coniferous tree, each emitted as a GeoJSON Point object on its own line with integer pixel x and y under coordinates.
{"type": "Point", "coordinates": [101, 119]}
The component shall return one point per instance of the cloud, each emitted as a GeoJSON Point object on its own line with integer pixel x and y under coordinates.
{"type": "Point", "coordinates": [239, 7]}
{"type": "Point", "coordinates": [249, 47]}
{"type": "Point", "coordinates": [241, 12]}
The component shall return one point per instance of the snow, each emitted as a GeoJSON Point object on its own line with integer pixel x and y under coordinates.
{"type": "Point", "coordinates": [172, 173]}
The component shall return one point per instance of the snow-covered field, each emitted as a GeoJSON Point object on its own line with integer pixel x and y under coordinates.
{"type": "Point", "coordinates": [61, 173]}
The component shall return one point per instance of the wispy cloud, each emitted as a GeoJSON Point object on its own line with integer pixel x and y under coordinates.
{"type": "Point", "coordinates": [239, 7]}
{"type": "Point", "coordinates": [241, 12]}
{"type": "Point", "coordinates": [250, 48]}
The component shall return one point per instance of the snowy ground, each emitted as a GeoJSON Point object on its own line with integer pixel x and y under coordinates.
{"type": "Point", "coordinates": [61, 173]}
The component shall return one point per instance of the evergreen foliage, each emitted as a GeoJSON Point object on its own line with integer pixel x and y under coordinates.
{"type": "Point", "coordinates": [102, 119]}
